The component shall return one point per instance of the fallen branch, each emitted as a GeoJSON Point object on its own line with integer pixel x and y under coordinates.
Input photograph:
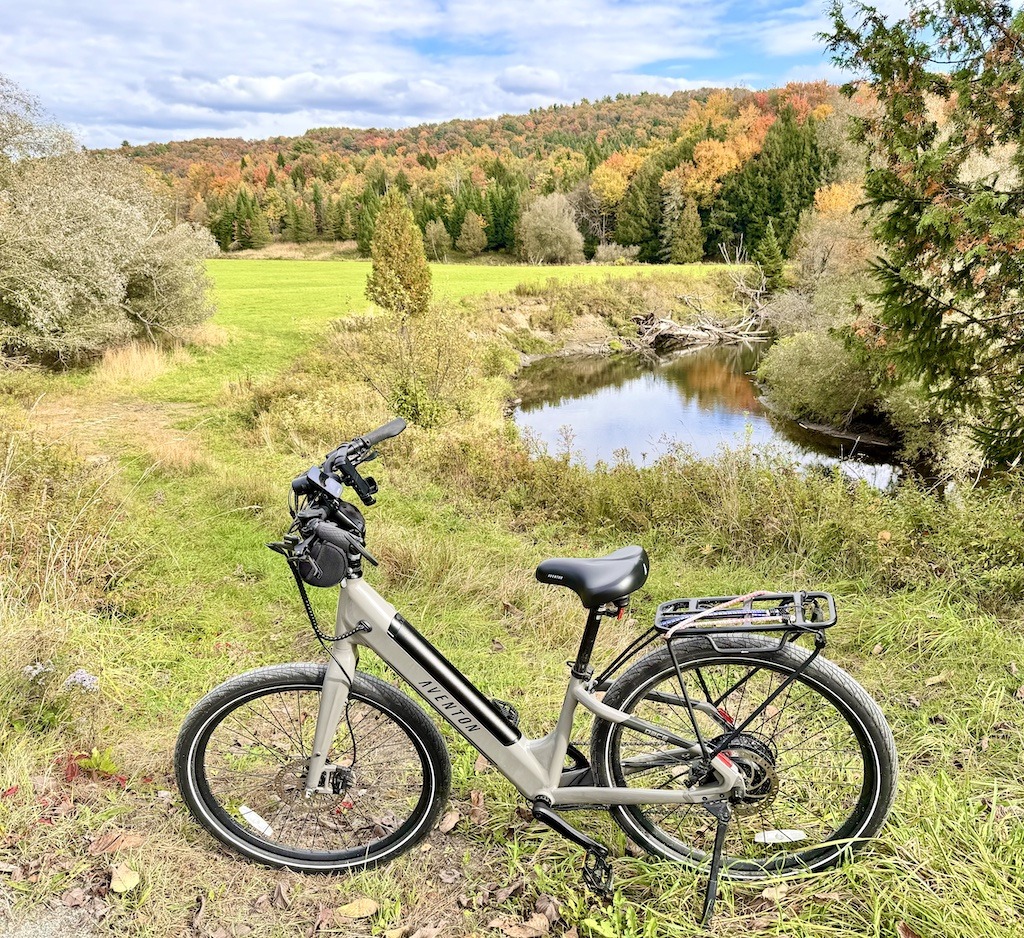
{"type": "Point", "coordinates": [658, 335]}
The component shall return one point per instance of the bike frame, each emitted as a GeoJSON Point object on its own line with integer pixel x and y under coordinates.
{"type": "Point", "coordinates": [533, 766]}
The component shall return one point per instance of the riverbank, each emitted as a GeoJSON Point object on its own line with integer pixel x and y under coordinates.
{"type": "Point", "coordinates": [135, 509]}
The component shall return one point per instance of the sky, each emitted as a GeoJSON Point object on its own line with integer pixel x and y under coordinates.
{"type": "Point", "coordinates": [156, 71]}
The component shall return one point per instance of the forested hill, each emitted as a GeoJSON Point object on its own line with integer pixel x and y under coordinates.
{"type": "Point", "coordinates": [644, 171]}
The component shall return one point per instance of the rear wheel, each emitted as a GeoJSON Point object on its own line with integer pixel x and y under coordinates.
{"type": "Point", "coordinates": [241, 763]}
{"type": "Point", "coordinates": [819, 763]}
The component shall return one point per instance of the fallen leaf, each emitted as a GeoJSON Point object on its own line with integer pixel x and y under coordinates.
{"type": "Point", "coordinates": [905, 931]}
{"type": "Point", "coordinates": [481, 765]}
{"type": "Point", "coordinates": [1014, 670]}
{"type": "Point", "coordinates": [983, 744]}
{"type": "Point", "coordinates": [281, 898]}
{"type": "Point", "coordinates": [75, 898]}
{"type": "Point", "coordinates": [884, 537]}
{"type": "Point", "coordinates": [324, 920]}
{"type": "Point", "coordinates": [363, 907]}
{"type": "Point", "coordinates": [1020, 693]}
{"type": "Point", "coordinates": [197, 916]}
{"type": "Point", "coordinates": [938, 719]}
{"type": "Point", "coordinates": [913, 703]}
{"type": "Point", "coordinates": [937, 679]}
{"type": "Point", "coordinates": [477, 813]}
{"type": "Point", "coordinates": [535, 927]}
{"type": "Point", "coordinates": [396, 932]}
{"type": "Point", "coordinates": [514, 889]}
{"type": "Point", "coordinates": [427, 931]}
{"type": "Point", "coordinates": [549, 907]}
{"type": "Point", "coordinates": [510, 610]}
{"type": "Point", "coordinates": [877, 650]}
{"type": "Point", "coordinates": [448, 876]}
{"type": "Point", "coordinates": [123, 878]}
{"type": "Point", "coordinates": [775, 893]}
{"type": "Point", "coordinates": [449, 821]}
{"type": "Point", "coordinates": [112, 841]}
{"type": "Point", "coordinates": [496, 647]}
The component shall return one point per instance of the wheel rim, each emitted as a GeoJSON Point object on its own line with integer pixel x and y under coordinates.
{"type": "Point", "coordinates": [808, 762]}
{"type": "Point", "coordinates": [250, 760]}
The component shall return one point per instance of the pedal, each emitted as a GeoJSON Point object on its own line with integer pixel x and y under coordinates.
{"type": "Point", "coordinates": [597, 873]}
{"type": "Point", "coordinates": [507, 710]}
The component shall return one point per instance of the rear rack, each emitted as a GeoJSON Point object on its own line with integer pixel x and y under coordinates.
{"type": "Point", "coordinates": [755, 612]}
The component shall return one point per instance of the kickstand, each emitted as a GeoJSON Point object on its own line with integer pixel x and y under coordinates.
{"type": "Point", "coordinates": [723, 814]}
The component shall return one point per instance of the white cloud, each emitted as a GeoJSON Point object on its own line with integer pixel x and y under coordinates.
{"type": "Point", "coordinates": [525, 79]}
{"type": "Point", "coordinates": [171, 70]}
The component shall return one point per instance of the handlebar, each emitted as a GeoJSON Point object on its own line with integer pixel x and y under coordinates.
{"type": "Point", "coordinates": [344, 459]}
{"type": "Point", "coordinates": [389, 430]}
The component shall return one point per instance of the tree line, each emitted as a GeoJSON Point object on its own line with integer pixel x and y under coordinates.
{"type": "Point", "coordinates": [724, 166]}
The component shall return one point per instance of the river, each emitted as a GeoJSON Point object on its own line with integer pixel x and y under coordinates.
{"type": "Point", "coordinates": [605, 408]}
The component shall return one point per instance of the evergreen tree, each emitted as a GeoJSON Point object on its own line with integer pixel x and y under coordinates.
{"type": "Point", "coordinates": [280, 161]}
{"type": "Point", "coordinates": [399, 278]}
{"type": "Point", "coordinates": [301, 226]}
{"type": "Point", "coordinates": [686, 239]}
{"type": "Point", "coordinates": [271, 178]}
{"type": "Point", "coordinates": [473, 237]}
{"type": "Point", "coordinates": [340, 217]}
{"type": "Point", "coordinates": [501, 210]}
{"type": "Point", "coordinates": [768, 256]}
{"type": "Point", "coordinates": [638, 221]}
{"type": "Point", "coordinates": [222, 223]}
{"type": "Point", "coordinates": [369, 206]}
{"type": "Point", "coordinates": [946, 159]}
{"type": "Point", "coordinates": [778, 184]}
{"type": "Point", "coordinates": [319, 210]}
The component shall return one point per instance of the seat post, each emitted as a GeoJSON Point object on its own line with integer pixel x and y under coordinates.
{"type": "Point", "coordinates": [581, 668]}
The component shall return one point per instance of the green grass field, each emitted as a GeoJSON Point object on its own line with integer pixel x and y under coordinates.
{"type": "Point", "coordinates": [175, 591]}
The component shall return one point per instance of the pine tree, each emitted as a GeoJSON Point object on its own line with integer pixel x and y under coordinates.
{"type": "Point", "coordinates": [778, 183]}
{"type": "Point", "coordinates": [473, 237]}
{"type": "Point", "coordinates": [686, 244]}
{"type": "Point", "coordinates": [271, 178]}
{"type": "Point", "coordinates": [768, 255]}
{"type": "Point", "coordinates": [319, 211]}
{"type": "Point", "coordinates": [399, 278]}
{"type": "Point", "coordinates": [301, 227]}
{"type": "Point", "coordinates": [280, 161]}
{"type": "Point", "coordinates": [369, 206]}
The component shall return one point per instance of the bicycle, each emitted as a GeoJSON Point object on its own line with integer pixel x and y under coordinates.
{"type": "Point", "coordinates": [729, 745]}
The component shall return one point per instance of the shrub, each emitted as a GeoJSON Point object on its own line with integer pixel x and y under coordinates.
{"type": "Point", "coordinates": [472, 237]}
{"type": "Point", "coordinates": [548, 234]}
{"type": "Point", "coordinates": [89, 260]}
{"type": "Point", "coordinates": [436, 240]}
{"type": "Point", "coordinates": [815, 376]}
{"type": "Point", "coordinates": [618, 254]}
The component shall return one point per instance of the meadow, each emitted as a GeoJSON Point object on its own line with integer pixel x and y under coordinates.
{"type": "Point", "coordinates": [135, 500]}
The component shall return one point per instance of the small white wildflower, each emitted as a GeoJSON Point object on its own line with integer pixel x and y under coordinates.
{"type": "Point", "coordinates": [36, 670]}
{"type": "Point", "coordinates": [83, 680]}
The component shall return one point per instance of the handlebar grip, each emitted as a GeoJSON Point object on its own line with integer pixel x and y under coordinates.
{"type": "Point", "coordinates": [389, 430]}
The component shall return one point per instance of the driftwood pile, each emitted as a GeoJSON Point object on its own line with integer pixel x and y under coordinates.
{"type": "Point", "coordinates": [662, 336]}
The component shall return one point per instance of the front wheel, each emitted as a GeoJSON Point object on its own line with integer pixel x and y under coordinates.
{"type": "Point", "coordinates": [819, 762]}
{"type": "Point", "coordinates": [241, 764]}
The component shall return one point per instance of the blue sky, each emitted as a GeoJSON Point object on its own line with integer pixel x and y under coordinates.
{"type": "Point", "coordinates": [122, 69]}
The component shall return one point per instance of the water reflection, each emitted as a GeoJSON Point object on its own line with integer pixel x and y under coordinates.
{"type": "Point", "coordinates": [703, 399]}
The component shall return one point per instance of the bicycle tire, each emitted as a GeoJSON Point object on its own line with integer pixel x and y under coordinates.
{"type": "Point", "coordinates": [774, 774]}
{"type": "Point", "coordinates": [397, 781]}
